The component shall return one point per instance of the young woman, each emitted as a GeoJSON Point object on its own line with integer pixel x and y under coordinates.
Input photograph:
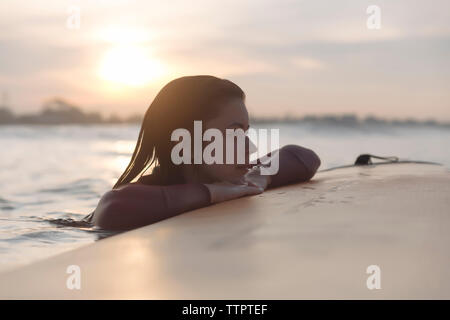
{"type": "Point", "coordinates": [173, 189]}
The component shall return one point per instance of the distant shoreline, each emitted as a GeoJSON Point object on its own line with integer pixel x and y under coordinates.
{"type": "Point", "coordinates": [60, 112]}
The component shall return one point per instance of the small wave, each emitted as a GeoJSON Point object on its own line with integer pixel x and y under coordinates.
{"type": "Point", "coordinates": [69, 222]}
{"type": "Point", "coordinates": [83, 225]}
{"type": "Point", "coordinates": [43, 234]}
{"type": "Point", "coordinates": [6, 204]}
{"type": "Point", "coordinates": [81, 186]}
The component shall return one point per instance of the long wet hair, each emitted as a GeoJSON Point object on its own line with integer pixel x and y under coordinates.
{"type": "Point", "coordinates": [177, 105]}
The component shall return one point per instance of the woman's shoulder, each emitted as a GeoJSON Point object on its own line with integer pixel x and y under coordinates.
{"type": "Point", "coordinates": [158, 178]}
{"type": "Point", "coordinates": [147, 179]}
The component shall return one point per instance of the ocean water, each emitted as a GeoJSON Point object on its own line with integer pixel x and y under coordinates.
{"type": "Point", "coordinates": [52, 172]}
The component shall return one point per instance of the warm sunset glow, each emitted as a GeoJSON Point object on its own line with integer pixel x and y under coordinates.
{"type": "Point", "coordinates": [121, 35]}
{"type": "Point", "coordinates": [308, 59]}
{"type": "Point", "coordinates": [129, 65]}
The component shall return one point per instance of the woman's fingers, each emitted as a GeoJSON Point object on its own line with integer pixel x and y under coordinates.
{"type": "Point", "coordinates": [255, 178]}
{"type": "Point", "coordinates": [252, 190]}
{"type": "Point", "coordinates": [246, 190]}
{"type": "Point", "coordinates": [226, 191]}
{"type": "Point", "coordinates": [252, 184]}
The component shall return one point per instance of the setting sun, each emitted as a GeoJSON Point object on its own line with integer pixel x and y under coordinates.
{"type": "Point", "coordinates": [129, 65]}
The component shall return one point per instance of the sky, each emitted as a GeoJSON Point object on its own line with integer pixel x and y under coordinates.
{"type": "Point", "coordinates": [290, 57]}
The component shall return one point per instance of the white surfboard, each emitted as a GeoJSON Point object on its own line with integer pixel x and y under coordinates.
{"type": "Point", "coordinates": [312, 240]}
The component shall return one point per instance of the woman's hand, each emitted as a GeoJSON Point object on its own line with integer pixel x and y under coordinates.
{"type": "Point", "coordinates": [254, 178]}
{"type": "Point", "coordinates": [224, 191]}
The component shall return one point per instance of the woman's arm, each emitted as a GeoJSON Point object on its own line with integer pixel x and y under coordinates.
{"type": "Point", "coordinates": [136, 205]}
{"type": "Point", "coordinates": [296, 164]}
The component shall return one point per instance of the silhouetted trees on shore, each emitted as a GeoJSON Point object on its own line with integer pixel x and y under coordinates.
{"type": "Point", "coordinates": [349, 121]}
{"type": "Point", "coordinates": [58, 111]}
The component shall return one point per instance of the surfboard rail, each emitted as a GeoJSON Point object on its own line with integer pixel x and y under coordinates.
{"type": "Point", "coordinates": [315, 240]}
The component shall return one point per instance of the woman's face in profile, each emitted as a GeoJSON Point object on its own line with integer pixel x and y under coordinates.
{"type": "Point", "coordinates": [233, 115]}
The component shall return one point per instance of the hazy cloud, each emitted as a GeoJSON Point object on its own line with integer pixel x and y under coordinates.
{"type": "Point", "coordinates": [290, 56]}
